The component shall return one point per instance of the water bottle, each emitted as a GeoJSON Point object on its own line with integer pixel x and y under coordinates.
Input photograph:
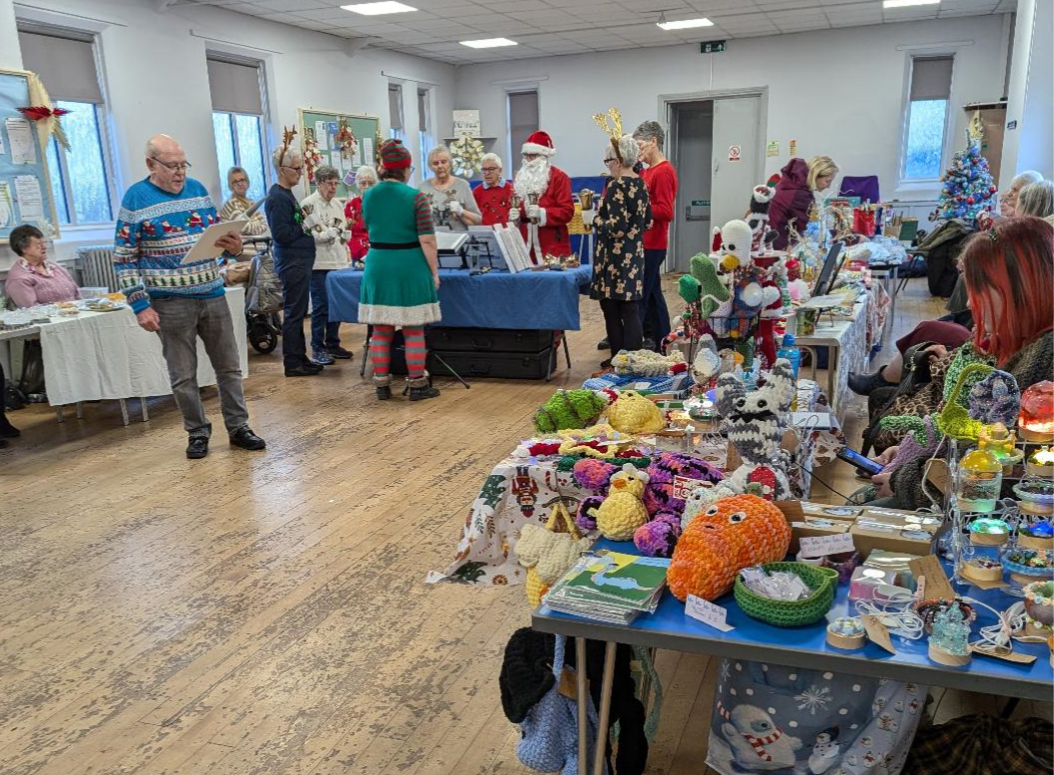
{"type": "Point", "coordinates": [792, 354]}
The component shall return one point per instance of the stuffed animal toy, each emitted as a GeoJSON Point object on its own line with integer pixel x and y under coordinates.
{"type": "Point", "coordinates": [646, 363]}
{"type": "Point", "coordinates": [599, 441]}
{"type": "Point", "coordinates": [736, 238]}
{"type": "Point", "coordinates": [754, 424]}
{"type": "Point", "coordinates": [633, 413]}
{"type": "Point", "coordinates": [774, 286]}
{"type": "Point", "coordinates": [730, 535]}
{"type": "Point", "coordinates": [622, 512]}
{"type": "Point", "coordinates": [549, 552]}
{"type": "Point", "coordinates": [706, 287]}
{"type": "Point", "coordinates": [569, 409]}
{"type": "Point", "coordinates": [762, 237]}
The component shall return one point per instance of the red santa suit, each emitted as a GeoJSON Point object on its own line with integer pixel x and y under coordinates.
{"type": "Point", "coordinates": [494, 202]}
{"type": "Point", "coordinates": [556, 208]}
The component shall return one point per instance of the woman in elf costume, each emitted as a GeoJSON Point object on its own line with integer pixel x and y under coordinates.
{"type": "Point", "coordinates": [401, 282]}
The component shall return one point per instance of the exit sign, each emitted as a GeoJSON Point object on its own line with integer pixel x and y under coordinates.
{"type": "Point", "coordinates": [712, 47]}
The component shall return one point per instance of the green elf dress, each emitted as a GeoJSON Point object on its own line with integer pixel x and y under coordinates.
{"type": "Point", "coordinates": [397, 288]}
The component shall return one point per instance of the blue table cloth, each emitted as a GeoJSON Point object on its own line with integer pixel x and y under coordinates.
{"type": "Point", "coordinates": [527, 300]}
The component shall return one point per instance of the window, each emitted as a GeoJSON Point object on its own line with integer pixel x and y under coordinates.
{"type": "Point", "coordinates": [522, 121]}
{"type": "Point", "coordinates": [237, 121]}
{"type": "Point", "coordinates": [395, 111]}
{"type": "Point", "coordinates": [424, 131]}
{"type": "Point", "coordinates": [926, 118]}
{"type": "Point", "coordinates": [80, 177]}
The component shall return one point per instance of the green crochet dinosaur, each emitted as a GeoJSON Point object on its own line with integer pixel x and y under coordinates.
{"type": "Point", "coordinates": [704, 286]}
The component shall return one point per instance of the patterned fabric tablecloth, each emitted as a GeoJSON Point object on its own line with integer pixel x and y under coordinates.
{"type": "Point", "coordinates": [522, 491]}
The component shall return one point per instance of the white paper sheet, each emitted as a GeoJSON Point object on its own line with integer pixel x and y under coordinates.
{"type": "Point", "coordinates": [20, 135]}
{"type": "Point", "coordinates": [321, 136]}
{"type": "Point", "coordinates": [205, 247]}
{"type": "Point", "coordinates": [3, 149]}
{"type": "Point", "coordinates": [29, 197]}
{"type": "Point", "coordinates": [5, 205]}
{"type": "Point", "coordinates": [367, 151]}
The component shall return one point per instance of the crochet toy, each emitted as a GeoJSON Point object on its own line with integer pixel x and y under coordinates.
{"type": "Point", "coordinates": [600, 441]}
{"type": "Point", "coordinates": [634, 413]}
{"type": "Point", "coordinates": [754, 425]}
{"type": "Point", "coordinates": [622, 512]}
{"type": "Point", "coordinates": [647, 363]}
{"type": "Point", "coordinates": [569, 409]}
{"type": "Point", "coordinates": [762, 236]}
{"type": "Point", "coordinates": [996, 398]}
{"type": "Point", "coordinates": [704, 285]}
{"type": "Point", "coordinates": [730, 535]}
{"type": "Point", "coordinates": [549, 552]}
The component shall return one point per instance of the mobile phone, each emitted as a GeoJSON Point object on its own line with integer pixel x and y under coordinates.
{"type": "Point", "coordinates": [855, 459]}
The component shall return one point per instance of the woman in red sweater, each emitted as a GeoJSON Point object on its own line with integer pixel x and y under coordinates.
{"type": "Point", "coordinates": [661, 180]}
{"type": "Point", "coordinates": [359, 244]}
{"type": "Point", "coordinates": [494, 195]}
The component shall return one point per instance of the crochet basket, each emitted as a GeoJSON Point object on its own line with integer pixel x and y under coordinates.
{"type": "Point", "coordinates": [791, 613]}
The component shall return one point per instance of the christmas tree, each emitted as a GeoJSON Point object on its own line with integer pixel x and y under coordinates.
{"type": "Point", "coordinates": [967, 188]}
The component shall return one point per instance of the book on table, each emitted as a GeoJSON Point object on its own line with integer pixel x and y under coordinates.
{"type": "Point", "coordinates": [610, 587]}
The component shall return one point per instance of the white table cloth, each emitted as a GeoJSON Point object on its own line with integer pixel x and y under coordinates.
{"type": "Point", "coordinates": [106, 355]}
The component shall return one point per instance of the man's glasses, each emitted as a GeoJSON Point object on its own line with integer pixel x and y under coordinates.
{"type": "Point", "coordinates": [182, 166]}
{"type": "Point", "coordinates": [490, 169]}
{"type": "Point", "coordinates": [298, 169]}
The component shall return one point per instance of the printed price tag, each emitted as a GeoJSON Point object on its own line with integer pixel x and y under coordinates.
{"type": "Point", "coordinates": [707, 613]}
{"type": "Point", "coordinates": [683, 486]}
{"type": "Point", "coordinates": [820, 546]}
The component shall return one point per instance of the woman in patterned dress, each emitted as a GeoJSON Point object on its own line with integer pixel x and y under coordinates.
{"type": "Point", "coordinates": [622, 218]}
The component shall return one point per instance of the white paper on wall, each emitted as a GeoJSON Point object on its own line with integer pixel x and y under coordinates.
{"type": "Point", "coordinates": [30, 198]}
{"type": "Point", "coordinates": [20, 135]}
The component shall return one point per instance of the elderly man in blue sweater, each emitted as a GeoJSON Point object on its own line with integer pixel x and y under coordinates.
{"type": "Point", "coordinates": [160, 220]}
{"type": "Point", "coordinates": [294, 258]}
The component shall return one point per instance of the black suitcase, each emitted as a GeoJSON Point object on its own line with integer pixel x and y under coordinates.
{"type": "Point", "coordinates": [506, 340]}
{"type": "Point", "coordinates": [496, 365]}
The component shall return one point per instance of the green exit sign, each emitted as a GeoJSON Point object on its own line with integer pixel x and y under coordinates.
{"type": "Point", "coordinates": [700, 203]}
{"type": "Point", "coordinates": [712, 47]}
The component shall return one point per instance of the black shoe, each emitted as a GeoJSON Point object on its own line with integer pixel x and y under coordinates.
{"type": "Point", "coordinates": [604, 344]}
{"type": "Point", "coordinates": [246, 439]}
{"type": "Point", "coordinates": [198, 447]}
{"type": "Point", "coordinates": [420, 389]}
{"type": "Point", "coordinates": [866, 384]}
{"type": "Point", "coordinates": [649, 344]}
{"type": "Point", "coordinates": [384, 392]}
{"type": "Point", "coordinates": [8, 431]}
{"type": "Point", "coordinates": [4, 444]}
{"type": "Point", "coordinates": [321, 358]}
{"type": "Point", "coordinates": [606, 363]}
{"type": "Point", "coordinates": [340, 353]}
{"type": "Point", "coordinates": [304, 370]}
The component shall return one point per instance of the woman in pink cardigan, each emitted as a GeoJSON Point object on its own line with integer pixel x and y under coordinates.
{"type": "Point", "coordinates": [33, 279]}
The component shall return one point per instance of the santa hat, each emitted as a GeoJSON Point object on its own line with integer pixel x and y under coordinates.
{"type": "Point", "coordinates": [539, 142]}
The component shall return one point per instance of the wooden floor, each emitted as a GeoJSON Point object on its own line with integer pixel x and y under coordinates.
{"type": "Point", "coordinates": [267, 613]}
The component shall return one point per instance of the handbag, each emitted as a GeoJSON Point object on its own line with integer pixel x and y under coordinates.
{"type": "Point", "coordinates": [918, 374]}
{"type": "Point", "coordinates": [864, 220]}
{"type": "Point", "coordinates": [550, 730]}
{"type": "Point", "coordinates": [549, 552]}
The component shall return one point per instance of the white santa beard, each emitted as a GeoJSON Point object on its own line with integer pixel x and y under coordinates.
{"type": "Point", "coordinates": [533, 177]}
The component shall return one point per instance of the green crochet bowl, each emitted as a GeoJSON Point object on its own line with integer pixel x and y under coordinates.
{"type": "Point", "coordinates": [791, 613]}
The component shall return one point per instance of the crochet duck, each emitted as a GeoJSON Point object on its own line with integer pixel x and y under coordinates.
{"type": "Point", "coordinates": [623, 511]}
{"type": "Point", "coordinates": [633, 413]}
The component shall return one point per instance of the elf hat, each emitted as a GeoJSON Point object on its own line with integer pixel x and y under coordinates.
{"type": "Point", "coordinates": [394, 155]}
{"type": "Point", "coordinates": [540, 143]}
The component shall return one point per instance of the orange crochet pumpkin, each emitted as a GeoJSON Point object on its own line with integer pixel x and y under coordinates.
{"type": "Point", "coordinates": [734, 533]}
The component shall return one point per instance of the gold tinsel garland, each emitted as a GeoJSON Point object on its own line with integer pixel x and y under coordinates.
{"type": "Point", "coordinates": [467, 156]}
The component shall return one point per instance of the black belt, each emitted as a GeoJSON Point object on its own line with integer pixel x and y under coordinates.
{"type": "Point", "coordinates": [395, 245]}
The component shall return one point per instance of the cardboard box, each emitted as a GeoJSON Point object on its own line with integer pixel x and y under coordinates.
{"type": "Point", "coordinates": [828, 511]}
{"type": "Point", "coordinates": [813, 526]}
{"type": "Point", "coordinates": [907, 539]}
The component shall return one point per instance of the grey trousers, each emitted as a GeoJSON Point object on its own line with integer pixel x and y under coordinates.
{"type": "Point", "coordinates": [182, 322]}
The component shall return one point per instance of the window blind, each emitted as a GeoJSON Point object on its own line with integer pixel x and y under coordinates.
{"type": "Point", "coordinates": [235, 87]}
{"type": "Point", "coordinates": [65, 65]}
{"type": "Point", "coordinates": [395, 105]}
{"type": "Point", "coordinates": [931, 78]}
{"type": "Point", "coordinates": [523, 120]}
{"type": "Point", "coordinates": [422, 109]}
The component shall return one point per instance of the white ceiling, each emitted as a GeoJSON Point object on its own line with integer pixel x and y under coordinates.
{"type": "Point", "coordinates": [557, 27]}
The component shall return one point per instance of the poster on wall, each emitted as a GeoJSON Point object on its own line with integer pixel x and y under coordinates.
{"type": "Point", "coordinates": [773, 148]}
{"type": "Point", "coordinates": [466, 122]}
{"type": "Point", "coordinates": [793, 147]}
{"type": "Point", "coordinates": [735, 152]}
{"type": "Point", "coordinates": [30, 198]}
{"type": "Point", "coordinates": [20, 135]}
{"type": "Point", "coordinates": [5, 205]}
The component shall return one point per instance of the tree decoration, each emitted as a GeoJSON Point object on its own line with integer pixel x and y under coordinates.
{"type": "Point", "coordinates": [312, 155]}
{"type": "Point", "coordinates": [967, 188]}
{"type": "Point", "coordinates": [466, 156]}
{"type": "Point", "coordinates": [44, 114]}
{"type": "Point", "coordinates": [349, 146]}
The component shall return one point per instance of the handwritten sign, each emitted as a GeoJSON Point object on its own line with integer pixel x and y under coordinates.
{"type": "Point", "coordinates": [936, 584]}
{"type": "Point", "coordinates": [820, 546]}
{"type": "Point", "coordinates": [707, 613]}
{"type": "Point", "coordinates": [878, 633]}
{"type": "Point", "coordinates": [683, 486]}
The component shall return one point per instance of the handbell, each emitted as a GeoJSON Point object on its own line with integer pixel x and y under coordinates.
{"type": "Point", "coordinates": [533, 199]}
{"type": "Point", "coordinates": [585, 196]}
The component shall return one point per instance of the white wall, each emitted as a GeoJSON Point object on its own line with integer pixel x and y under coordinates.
{"type": "Point", "coordinates": [1031, 94]}
{"type": "Point", "coordinates": [155, 80]}
{"type": "Point", "coordinates": [839, 92]}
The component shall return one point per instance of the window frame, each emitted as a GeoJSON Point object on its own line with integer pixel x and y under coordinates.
{"type": "Point", "coordinates": [236, 147]}
{"type": "Point", "coordinates": [397, 133]}
{"type": "Point", "coordinates": [426, 138]}
{"type": "Point", "coordinates": [904, 182]}
{"type": "Point", "coordinates": [512, 155]}
{"type": "Point", "coordinates": [236, 56]}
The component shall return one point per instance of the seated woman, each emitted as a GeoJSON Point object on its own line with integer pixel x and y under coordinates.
{"type": "Point", "coordinates": [33, 279]}
{"type": "Point", "coordinates": [1004, 268]}
{"type": "Point", "coordinates": [799, 185]}
{"type": "Point", "coordinates": [235, 207]}
{"type": "Point", "coordinates": [1036, 199]}
{"type": "Point", "coordinates": [359, 243]}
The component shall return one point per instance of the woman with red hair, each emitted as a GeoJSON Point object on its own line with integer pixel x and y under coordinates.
{"type": "Point", "coordinates": [1009, 273]}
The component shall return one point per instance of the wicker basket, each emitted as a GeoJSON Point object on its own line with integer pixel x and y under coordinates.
{"type": "Point", "coordinates": [791, 613]}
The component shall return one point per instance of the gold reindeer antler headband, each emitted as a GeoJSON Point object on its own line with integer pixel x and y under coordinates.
{"type": "Point", "coordinates": [288, 133]}
{"type": "Point", "coordinates": [611, 122]}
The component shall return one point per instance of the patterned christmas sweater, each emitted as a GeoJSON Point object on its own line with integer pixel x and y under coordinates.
{"type": "Point", "coordinates": [155, 230]}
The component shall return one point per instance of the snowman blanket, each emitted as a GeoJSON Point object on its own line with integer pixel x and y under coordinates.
{"type": "Point", "coordinates": [789, 721]}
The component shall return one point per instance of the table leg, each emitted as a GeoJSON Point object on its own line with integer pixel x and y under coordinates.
{"type": "Point", "coordinates": [582, 691]}
{"type": "Point", "coordinates": [567, 350]}
{"type": "Point", "coordinates": [80, 410]}
{"type": "Point", "coordinates": [124, 410]}
{"type": "Point", "coordinates": [60, 416]}
{"type": "Point", "coordinates": [832, 377]}
{"type": "Point", "coordinates": [605, 708]}
{"type": "Point", "coordinates": [813, 358]}
{"type": "Point", "coordinates": [142, 407]}
{"type": "Point", "coordinates": [893, 301]}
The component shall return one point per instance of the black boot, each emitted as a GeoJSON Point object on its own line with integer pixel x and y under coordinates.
{"type": "Point", "coordinates": [383, 386]}
{"type": "Point", "coordinates": [866, 384]}
{"type": "Point", "coordinates": [7, 430]}
{"type": "Point", "coordinates": [420, 389]}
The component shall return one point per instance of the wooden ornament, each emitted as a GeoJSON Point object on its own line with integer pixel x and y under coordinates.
{"type": "Point", "coordinates": [1025, 434]}
{"type": "Point", "coordinates": [1039, 469]}
{"type": "Point", "coordinates": [942, 657]}
{"type": "Point", "coordinates": [1034, 630]}
{"type": "Point", "coordinates": [1022, 579]}
{"type": "Point", "coordinates": [988, 539]}
{"type": "Point", "coordinates": [974, 572]}
{"type": "Point", "coordinates": [848, 642]}
{"type": "Point", "coordinates": [1035, 542]}
{"type": "Point", "coordinates": [1038, 509]}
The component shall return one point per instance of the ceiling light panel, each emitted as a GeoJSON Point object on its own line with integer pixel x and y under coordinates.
{"type": "Point", "coordinates": [378, 9]}
{"type": "Point", "coordinates": [685, 24]}
{"type": "Point", "coordinates": [488, 43]}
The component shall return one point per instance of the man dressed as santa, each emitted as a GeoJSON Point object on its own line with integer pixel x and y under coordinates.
{"type": "Point", "coordinates": [547, 205]}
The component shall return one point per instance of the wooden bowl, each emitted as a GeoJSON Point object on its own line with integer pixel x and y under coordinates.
{"type": "Point", "coordinates": [977, 573]}
{"type": "Point", "coordinates": [942, 657]}
{"type": "Point", "coordinates": [1034, 542]}
{"type": "Point", "coordinates": [988, 539]}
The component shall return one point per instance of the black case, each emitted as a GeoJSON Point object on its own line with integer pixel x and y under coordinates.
{"type": "Point", "coordinates": [498, 340]}
{"type": "Point", "coordinates": [496, 365]}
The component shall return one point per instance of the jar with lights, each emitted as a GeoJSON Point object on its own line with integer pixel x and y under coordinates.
{"type": "Point", "coordinates": [1036, 421]}
{"type": "Point", "coordinates": [1041, 462]}
{"type": "Point", "coordinates": [980, 480]}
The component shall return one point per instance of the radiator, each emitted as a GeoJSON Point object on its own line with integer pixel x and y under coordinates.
{"type": "Point", "coordinates": [96, 265]}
